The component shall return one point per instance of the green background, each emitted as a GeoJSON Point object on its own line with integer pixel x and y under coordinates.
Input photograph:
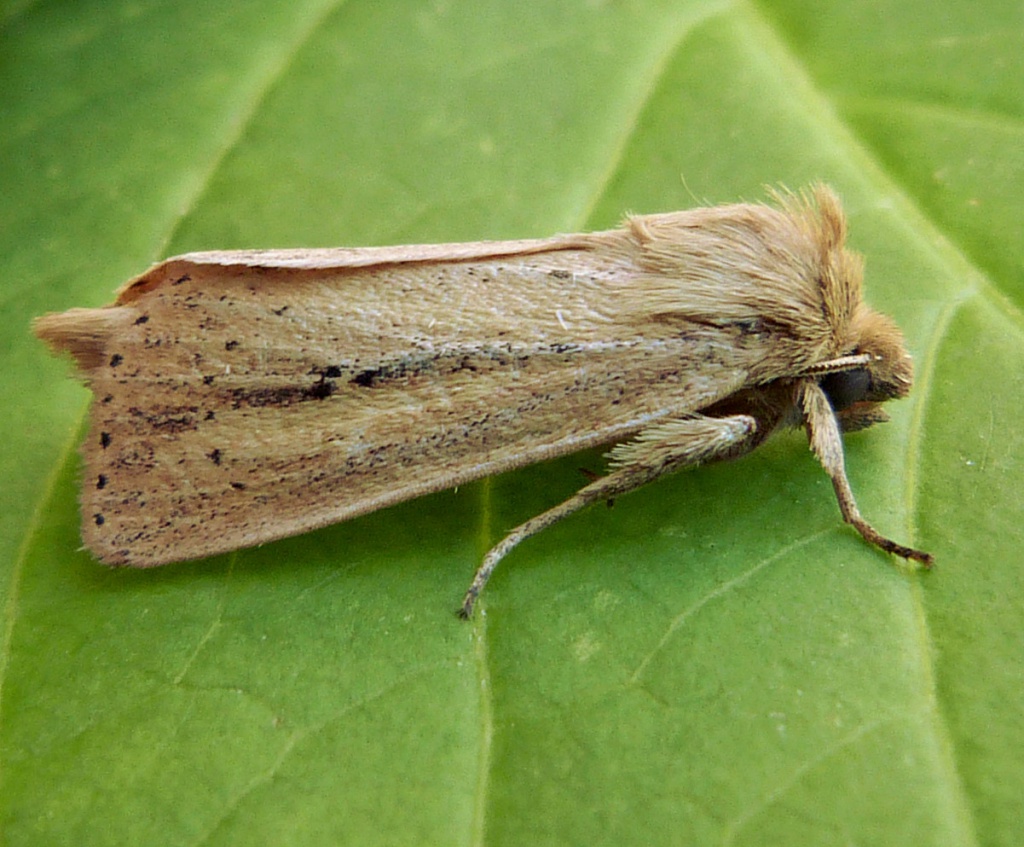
{"type": "Point", "coordinates": [717, 660]}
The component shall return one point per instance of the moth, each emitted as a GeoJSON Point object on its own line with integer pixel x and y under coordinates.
{"type": "Point", "coordinates": [245, 396]}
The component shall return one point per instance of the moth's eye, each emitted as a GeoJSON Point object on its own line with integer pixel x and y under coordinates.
{"type": "Point", "coordinates": [845, 388]}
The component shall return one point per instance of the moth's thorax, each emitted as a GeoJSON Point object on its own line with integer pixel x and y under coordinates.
{"type": "Point", "coordinates": [773, 405]}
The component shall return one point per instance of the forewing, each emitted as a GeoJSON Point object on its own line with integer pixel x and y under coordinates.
{"type": "Point", "coordinates": [237, 403]}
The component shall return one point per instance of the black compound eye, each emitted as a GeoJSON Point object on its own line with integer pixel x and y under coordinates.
{"type": "Point", "coordinates": [845, 388]}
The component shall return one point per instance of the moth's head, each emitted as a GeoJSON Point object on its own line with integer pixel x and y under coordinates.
{"type": "Point", "coordinates": [886, 372]}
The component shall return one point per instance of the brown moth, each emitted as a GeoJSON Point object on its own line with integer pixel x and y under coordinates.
{"type": "Point", "coordinates": [245, 396]}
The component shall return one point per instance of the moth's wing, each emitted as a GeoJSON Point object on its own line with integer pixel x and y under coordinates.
{"type": "Point", "coordinates": [235, 404]}
{"type": "Point", "coordinates": [341, 258]}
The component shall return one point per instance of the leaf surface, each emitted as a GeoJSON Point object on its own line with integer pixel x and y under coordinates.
{"type": "Point", "coordinates": [716, 660]}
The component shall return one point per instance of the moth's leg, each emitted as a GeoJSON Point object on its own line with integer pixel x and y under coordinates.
{"type": "Point", "coordinates": [827, 444]}
{"type": "Point", "coordinates": [656, 451]}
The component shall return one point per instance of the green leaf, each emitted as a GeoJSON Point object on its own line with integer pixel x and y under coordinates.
{"type": "Point", "coordinates": [716, 660]}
